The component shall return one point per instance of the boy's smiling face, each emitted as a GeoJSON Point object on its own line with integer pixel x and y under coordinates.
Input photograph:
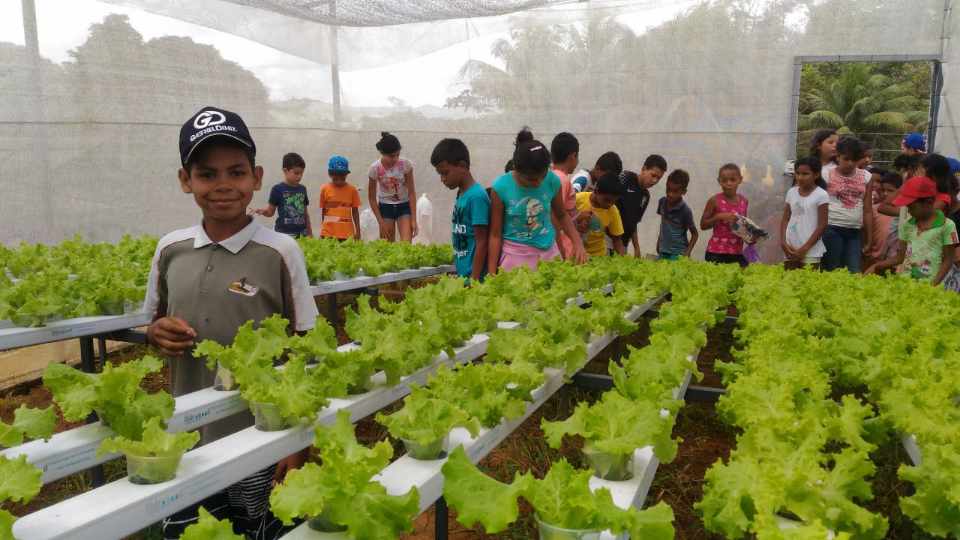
{"type": "Point", "coordinates": [222, 181]}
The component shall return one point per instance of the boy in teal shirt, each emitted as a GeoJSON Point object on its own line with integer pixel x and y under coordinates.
{"type": "Point", "coordinates": [471, 212]}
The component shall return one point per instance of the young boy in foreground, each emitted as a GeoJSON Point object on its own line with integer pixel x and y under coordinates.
{"type": "Point", "coordinates": [207, 280]}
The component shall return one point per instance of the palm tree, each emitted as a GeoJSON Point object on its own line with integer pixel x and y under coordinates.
{"type": "Point", "coordinates": [863, 102]}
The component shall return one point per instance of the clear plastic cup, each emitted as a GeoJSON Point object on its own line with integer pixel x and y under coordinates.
{"type": "Point", "coordinates": [614, 467]}
{"type": "Point", "coordinates": [114, 307]}
{"type": "Point", "coordinates": [552, 532]}
{"type": "Point", "coordinates": [267, 417]}
{"type": "Point", "coordinates": [152, 469]}
{"type": "Point", "coordinates": [322, 523]}
{"type": "Point", "coordinates": [426, 452]}
{"type": "Point", "coordinates": [224, 379]}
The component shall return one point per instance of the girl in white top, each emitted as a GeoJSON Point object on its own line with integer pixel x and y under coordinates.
{"type": "Point", "coordinates": [805, 216]}
{"type": "Point", "coordinates": [391, 193]}
{"type": "Point", "coordinates": [823, 146]}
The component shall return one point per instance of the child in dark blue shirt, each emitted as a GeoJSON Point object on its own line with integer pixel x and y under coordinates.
{"type": "Point", "coordinates": [289, 201]}
{"type": "Point", "coordinates": [676, 220]}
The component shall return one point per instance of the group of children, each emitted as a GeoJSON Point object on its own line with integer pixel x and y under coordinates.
{"type": "Point", "coordinates": [539, 209]}
{"type": "Point", "coordinates": [208, 280]}
{"type": "Point", "coordinates": [392, 197]}
{"type": "Point", "coordinates": [843, 213]}
{"type": "Point", "coordinates": [840, 212]}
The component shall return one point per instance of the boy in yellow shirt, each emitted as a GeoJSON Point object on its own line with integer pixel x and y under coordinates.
{"type": "Point", "coordinates": [599, 218]}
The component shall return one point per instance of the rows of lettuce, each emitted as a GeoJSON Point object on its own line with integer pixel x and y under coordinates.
{"type": "Point", "coordinates": [821, 381]}
{"type": "Point", "coordinates": [42, 283]}
{"type": "Point", "coordinates": [395, 340]}
{"type": "Point", "coordinates": [638, 412]}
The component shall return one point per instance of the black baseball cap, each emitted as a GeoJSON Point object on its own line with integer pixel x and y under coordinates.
{"type": "Point", "coordinates": [211, 122]}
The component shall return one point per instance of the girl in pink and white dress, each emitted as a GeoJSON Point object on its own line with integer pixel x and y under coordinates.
{"type": "Point", "coordinates": [721, 211]}
{"type": "Point", "coordinates": [391, 194]}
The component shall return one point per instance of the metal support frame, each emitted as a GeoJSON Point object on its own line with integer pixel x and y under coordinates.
{"type": "Point", "coordinates": [128, 336]}
{"type": "Point", "coordinates": [799, 61]}
{"type": "Point", "coordinates": [593, 381]}
{"type": "Point", "coordinates": [603, 383]}
{"type": "Point", "coordinates": [332, 309]}
{"type": "Point", "coordinates": [335, 64]}
{"type": "Point", "coordinates": [87, 358]}
{"type": "Point", "coordinates": [703, 394]}
{"type": "Point", "coordinates": [88, 363]}
{"type": "Point", "coordinates": [440, 519]}
{"type": "Point", "coordinates": [936, 89]}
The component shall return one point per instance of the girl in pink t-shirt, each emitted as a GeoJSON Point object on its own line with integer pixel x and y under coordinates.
{"type": "Point", "coordinates": [722, 209]}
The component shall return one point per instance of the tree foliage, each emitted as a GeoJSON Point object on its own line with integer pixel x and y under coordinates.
{"type": "Point", "coordinates": [877, 102]}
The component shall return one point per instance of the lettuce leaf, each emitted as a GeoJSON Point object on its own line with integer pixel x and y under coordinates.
{"type": "Point", "coordinates": [342, 490]}
{"type": "Point", "coordinates": [562, 498]}
{"type": "Point", "coordinates": [156, 442]}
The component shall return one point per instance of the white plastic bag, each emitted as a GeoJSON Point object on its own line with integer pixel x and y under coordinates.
{"type": "Point", "coordinates": [424, 220]}
{"type": "Point", "coordinates": [369, 228]}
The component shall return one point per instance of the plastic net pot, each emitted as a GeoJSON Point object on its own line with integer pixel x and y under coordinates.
{"type": "Point", "coordinates": [267, 417]}
{"type": "Point", "coordinates": [552, 532]}
{"type": "Point", "coordinates": [322, 523]}
{"type": "Point", "coordinates": [26, 321]}
{"type": "Point", "coordinates": [224, 379]}
{"type": "Point", "coordinates": [357, 389]}
{"type": "Point", "coordinates": [111, 307]}
{"type": "Point", "coordinates": [614, 467]}
{"type": "Point", "coordinates": [434, 450]}
{"type": "Point", "coordinates": [152, 469]}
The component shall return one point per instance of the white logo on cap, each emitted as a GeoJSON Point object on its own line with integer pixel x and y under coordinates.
{"type": "Point", "coordinates": [208, 118]}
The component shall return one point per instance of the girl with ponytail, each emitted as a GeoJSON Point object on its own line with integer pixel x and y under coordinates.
{"type": "Point", "coordinates": [522, 204]}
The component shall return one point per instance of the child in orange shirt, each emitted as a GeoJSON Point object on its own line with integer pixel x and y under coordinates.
{"type": "Point", "coordinates": [339, 203]}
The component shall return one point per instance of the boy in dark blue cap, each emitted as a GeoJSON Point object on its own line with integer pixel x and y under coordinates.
{"type": "Point", "coordinates": [208, 280]}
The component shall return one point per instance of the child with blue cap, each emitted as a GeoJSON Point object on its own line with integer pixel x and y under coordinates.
{"type": "Point", "coordinates": [913, 144]}
{"type": "Point", "coordinates": [339, 203]}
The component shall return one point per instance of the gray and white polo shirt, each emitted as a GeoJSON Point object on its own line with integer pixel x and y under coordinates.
{"type": "Point", "coordinates": [216, 287]}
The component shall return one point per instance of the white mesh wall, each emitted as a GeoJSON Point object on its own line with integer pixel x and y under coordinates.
{"type": "Point", "coordinates": [88, 142]}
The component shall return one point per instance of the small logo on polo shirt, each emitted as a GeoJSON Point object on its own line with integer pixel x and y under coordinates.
{"type": "Point", "coordinates": [244, 288]}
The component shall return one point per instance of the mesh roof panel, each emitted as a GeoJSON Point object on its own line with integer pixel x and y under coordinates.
{"type": "Point", "coordinates": [391, 12]}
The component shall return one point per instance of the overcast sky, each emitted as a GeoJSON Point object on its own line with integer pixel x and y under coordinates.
{"type": "Point", "coordinates": [64, 24]}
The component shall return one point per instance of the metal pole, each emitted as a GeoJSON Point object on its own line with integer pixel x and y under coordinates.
{"type": "Point", "coordinates": [88, 364]}
{"type": "Point", "coordinates": [87, 359]}
{"type": "Point", "coordinates": [440, 519]}
{"type": "Point", "coordinates": [332, 309]}
{"type": "Point", "coordinates": [31, 38]}
{"type": "Point", "coordinates": [30, 35]}
{"type": "Point", "coordinates": [102, 348]}
{"type": "Point", "coordinates": [335, 63]}
{"type": "Point", "coordinates": [936, 88]}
